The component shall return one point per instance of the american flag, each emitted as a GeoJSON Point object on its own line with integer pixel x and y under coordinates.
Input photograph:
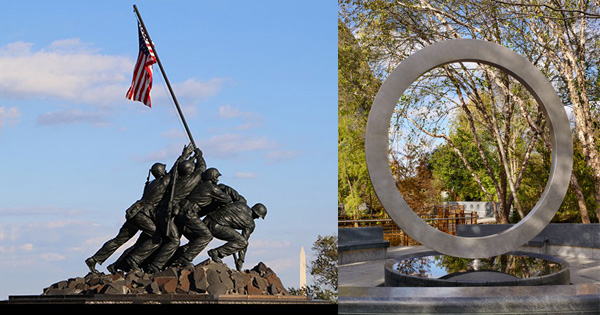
{"type": "Point", "coordinates": [142, 72]}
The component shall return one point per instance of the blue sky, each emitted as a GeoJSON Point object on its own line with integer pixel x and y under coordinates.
{"type": "Point", "coordinates": [257, 83]}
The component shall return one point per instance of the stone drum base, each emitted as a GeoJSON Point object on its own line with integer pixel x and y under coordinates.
{"type": "Point", "coordinates": [556, 299]}
{"type": "Point", "coordinates": [361, 244]}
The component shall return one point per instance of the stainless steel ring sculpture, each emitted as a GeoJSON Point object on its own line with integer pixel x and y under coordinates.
{"type": "Point", "coordinates": [376, 145]}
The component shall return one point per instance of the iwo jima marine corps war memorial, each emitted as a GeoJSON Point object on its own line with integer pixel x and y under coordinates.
{"type": "Point", "coordinates": [184, 200]}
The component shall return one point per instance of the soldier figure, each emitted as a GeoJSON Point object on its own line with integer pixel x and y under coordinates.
{"type": "Point", "coordinates": [206, 194]}
{"type": "Point", "coordinates": [223, 223]}
{"type": "Point", "coordinates": [188, 177]}
{"type": "Point", "coordinates": [140, 215]}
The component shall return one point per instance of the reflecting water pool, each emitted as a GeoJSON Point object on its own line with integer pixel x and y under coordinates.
{"type": "Point", "coordinates": [445, 267]}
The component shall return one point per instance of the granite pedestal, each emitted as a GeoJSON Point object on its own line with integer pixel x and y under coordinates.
{"type": "Point", "coordinates": [361, 244]}
{"type": "Point", "coordinates": [582, 299]}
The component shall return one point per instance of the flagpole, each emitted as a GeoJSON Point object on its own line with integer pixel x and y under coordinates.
{"type": "Point", "coordinates": [162, 70]}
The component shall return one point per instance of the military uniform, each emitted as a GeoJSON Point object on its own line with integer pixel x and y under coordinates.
{"type": "Point", "coordinates": [184, 185]}
{"type": "Point", "coordinates": [223, 224]}
{"type": "Point", "coordinates": [139, 217]}
{"type": "Point", "coordinates": [204, 196]}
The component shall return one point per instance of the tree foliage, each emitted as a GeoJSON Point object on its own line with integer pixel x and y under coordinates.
{"type": "Point", "coordinates": [414, 180]}
{"type": "Point", "coordinates": [323, 269]}
{"type": "Point", "coordinates": [496, 139]}
{"type": "Point", "coordinates": [356, 90]}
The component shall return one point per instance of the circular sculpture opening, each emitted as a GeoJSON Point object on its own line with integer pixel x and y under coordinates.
{"type": "Point", "coordinates": [468, 50]}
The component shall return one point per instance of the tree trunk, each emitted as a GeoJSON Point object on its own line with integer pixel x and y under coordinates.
{"type": "Point", "coordinates": [573, 70]}
{"type": "Point", "coordinates": [504, 207]}
{"type": "Point", "coordinates": [585, 218]}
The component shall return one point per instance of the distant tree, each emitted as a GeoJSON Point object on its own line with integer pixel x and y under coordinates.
{"type": "Point", "coordinates": [323, 269]}
{"type": "Point", "coordinates": [415, 181]}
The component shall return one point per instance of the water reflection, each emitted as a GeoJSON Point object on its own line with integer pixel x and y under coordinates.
{"type": "Point", "coordinates": [436, 266]}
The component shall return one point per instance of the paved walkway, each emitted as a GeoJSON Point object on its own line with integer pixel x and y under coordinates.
{"type": "Point", "coordinates": [371, 273]}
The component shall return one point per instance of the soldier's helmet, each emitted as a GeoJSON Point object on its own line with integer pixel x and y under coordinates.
{"type": "Point", "coordinates": [210, 174]}
{"type": "Point", "coordinates": [158, 170]}
{"type": "Point", "coordinates": [185, 168]}
{"type": "Point", "coordinates": [260, 210]}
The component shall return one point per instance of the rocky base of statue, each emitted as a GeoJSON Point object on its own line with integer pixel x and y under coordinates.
{"type": "Point", "coordinates": [207, 277]}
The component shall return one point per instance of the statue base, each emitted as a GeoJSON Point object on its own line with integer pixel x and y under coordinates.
{"type": "Point", "coordinates": [141, 303]}
{"type": "Point", "coordinates": [224, 299]}
{"type": "Point", "coordinates": [209, 284]}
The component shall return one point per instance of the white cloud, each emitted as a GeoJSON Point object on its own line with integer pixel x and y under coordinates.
{"type": "Point", "coordinates": [66, 69]}
{"type": "Point", "coordinates": [74, 71]}
{"type": "Point", "coordinates": [156, 156]}
{"type": "Point", "coordinates": [224, 146]}
{"type": "Point", "coordinates": [250, 120]}
{"type": "Point", "coordinates": [9, 233]}
{"type": "Point", "coordinates": [72, 116]}
{"type": "Point", "coordinates": [35, 211]}
{"type": "Point", "coordinates": [190, 92]}
{"type": "Point", "coordinates": [27, 247]}
{"type": "Point", "coordinates": [232, 145]}
{"type": "Point", "coordinates": [164, 155]}
{"type": "Point", "coordinates": [9, 115]}
{"type": "Point", "coordinates": [69, 45]}
{"type": "Point", "coordinates": [174, 134]}
{"type": "Point", "coordinates": [57, 224]}
{"type": "Point", "coordinates": [245, 175]}
{"type": "Point", "coordinates": [97, 240]}
{"type": "Point", "coordinates": [194, 89]}
{"type": "Point", "coordinates": [263, 243]}
{"type": "Point", "coordinates": [278, 156]}
{"type": "Point", "coordinates": [52, 256]}
{"type": "Point", "coordinates": [226, 111]}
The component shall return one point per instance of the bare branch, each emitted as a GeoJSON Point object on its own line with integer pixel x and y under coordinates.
{"type": "Point", "coordinates": [586, 14]}
{"type": "Point", "coordinates": [458, 152]}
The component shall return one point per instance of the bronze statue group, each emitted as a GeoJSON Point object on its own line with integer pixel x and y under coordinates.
{"type": "Point", "coordinates": [187, 200]}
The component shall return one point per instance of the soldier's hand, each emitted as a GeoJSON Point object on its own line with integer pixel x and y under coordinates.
{"type": "Point", "coordinates": [175, 210]}
{"type": "Point", "coordinates": [198, 152]}
{"type": "Point", "coordinates": [187, 150]}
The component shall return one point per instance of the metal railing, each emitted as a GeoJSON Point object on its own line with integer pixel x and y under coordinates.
{"type": "Point", "coordinates": [444, 218]}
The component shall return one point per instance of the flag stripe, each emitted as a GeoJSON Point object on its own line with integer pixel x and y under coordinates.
{"type": "Point", "coordinates": [141, 83]}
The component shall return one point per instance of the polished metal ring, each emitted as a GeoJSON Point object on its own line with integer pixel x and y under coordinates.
{"type": "Point", "coordinates": [376, 146]}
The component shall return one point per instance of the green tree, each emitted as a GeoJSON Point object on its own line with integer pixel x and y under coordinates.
{"type": "Point", "coordinates": [582, 198]}
{"type": "Point", "coordinates": [356, 89]}
{"type": "Point", "coordinates": [560, 38]}
{"type": "Point", "coordinates": [415, 181]}
{"type": "Point", "coordinates": [323, 269]}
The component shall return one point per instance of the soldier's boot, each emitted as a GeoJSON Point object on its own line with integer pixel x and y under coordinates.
{"type": "Point", "coordinates": [182, 262]}
{"type": "Point", "coordinates": [214, 255]}
{"type": "Point", "coordinates": [133, 266]}
{"type": "Point", "coordinates": [153, 269]}
{"type": "Point", "coordinates": [91, 263]}
{"type": "Point", "coordinates": [112, 269]}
